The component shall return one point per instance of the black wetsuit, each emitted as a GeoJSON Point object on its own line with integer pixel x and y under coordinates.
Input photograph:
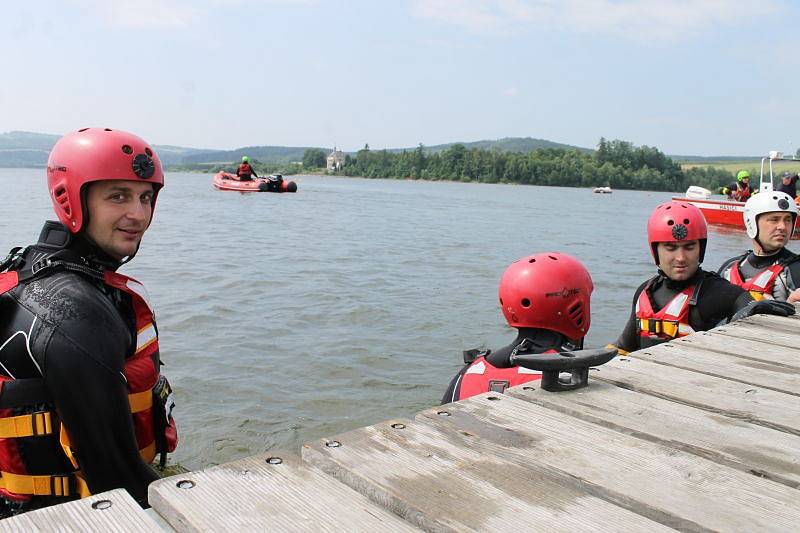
{"type": "Point", "coordinates": [750, 265]}
{"type": "Point", "coordinates": [539, 340]}
{"type": "Point", "coordinates": [717, 300]}
{"type": "Point", "coordinates": [79, 332]}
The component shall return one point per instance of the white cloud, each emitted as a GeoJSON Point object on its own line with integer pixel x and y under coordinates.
{"type": "Point", "coordinates": [511, 92]}
{"type": "Point", "coordinates": [637, 19]}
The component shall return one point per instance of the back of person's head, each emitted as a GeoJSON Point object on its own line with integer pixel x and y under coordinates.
{"type": "Point", "coordinates": [549, 290]}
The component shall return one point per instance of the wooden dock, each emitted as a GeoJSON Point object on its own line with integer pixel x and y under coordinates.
{"type": "Point", "coordinates": [700, 434]}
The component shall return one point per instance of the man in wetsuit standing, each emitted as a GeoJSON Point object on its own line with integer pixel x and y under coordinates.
{"type": "Point", "coordinates": [546, 298]}
{"type": "Point", "coordinates": [83, 407]}
{"type": "Point", "coordinates": [683, 298]}
{"type": "Point", "coordinates": [769, 270]}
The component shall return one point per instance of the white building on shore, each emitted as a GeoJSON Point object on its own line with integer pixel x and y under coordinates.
{"type": "Point", "coordinates": [335, 160]}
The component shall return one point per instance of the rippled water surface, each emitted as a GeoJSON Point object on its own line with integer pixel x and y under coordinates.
{"type": "Point", "coordinates": [288, 317]}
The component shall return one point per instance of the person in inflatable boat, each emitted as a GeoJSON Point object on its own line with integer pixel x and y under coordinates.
{"type": "Point", "coordinates": [245, 172]}
{"type": "Point", "coordinates": [546, 298]}
{"type": "Point", "coordinates": [83, 405]}
{"type": "Point", "coordinates": [683, 298]}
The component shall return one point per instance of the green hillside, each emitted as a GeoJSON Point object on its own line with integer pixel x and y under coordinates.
{"type": "Point", "coordinates": [271, 154]}
{"type": "Point", "coordinates": [508, 144]}
{"type": "Point", "coordinates": [27, 149]}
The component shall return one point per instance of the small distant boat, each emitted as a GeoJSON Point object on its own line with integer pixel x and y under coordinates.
{"type": "Point", "coordinates": [602, 190]}
{"type": "Point", "coordinates": [225, 181]}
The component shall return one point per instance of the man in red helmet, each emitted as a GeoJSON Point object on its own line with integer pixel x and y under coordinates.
{"type": "Point", "coordinates": [83, 407]}
{"type": "Point", "coordinates": [683, 298]}
{"type": "Point", "coordinates": [546, 297]}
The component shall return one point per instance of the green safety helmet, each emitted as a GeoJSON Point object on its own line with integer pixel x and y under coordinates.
{"type": "Point", "coordinates": [742, 175]}
{"type": "Point", "coordinates": [245, 159]}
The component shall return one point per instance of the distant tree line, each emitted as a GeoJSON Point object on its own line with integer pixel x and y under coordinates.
{"type": "Point", "coordinates": [617, 164]}
{"type": "Point", "coordinates": [264, 169]}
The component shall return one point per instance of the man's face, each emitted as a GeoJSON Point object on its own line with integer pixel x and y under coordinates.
{"type": "Point", "coordinates": [679, 260]}
{"type": "Point", "coordinates": [746, 182]}
{"type": "Point", "coordinates": [119, 214]}
{"type": "Point", "coordinates": [774, 230]}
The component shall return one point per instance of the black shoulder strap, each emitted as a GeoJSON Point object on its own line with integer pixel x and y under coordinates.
{"type": "Point", "coordinates": [696, 292]}
{"type": "Point", "coordinates": [733, 262]}
{"type": "Point", "coordinates": [13, 259]}
{"type": "Point", "coordinates": [471, 355]}
{"type": "Point", "coordinates": [790, 258]}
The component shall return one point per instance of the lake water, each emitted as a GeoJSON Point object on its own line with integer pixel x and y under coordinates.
{"type": "Point", "coordinates": [289, 317]}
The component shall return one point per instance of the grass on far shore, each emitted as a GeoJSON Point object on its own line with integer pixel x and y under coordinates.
{"type": "Point", "coordinates": [754, 167]}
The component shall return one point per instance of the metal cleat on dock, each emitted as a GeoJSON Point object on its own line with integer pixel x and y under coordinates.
{"type": "Point", "coordinates": [552, 365]}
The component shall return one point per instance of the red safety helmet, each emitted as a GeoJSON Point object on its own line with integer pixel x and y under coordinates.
{"type": "Point", "coordinates": [676, 221]}
{"type": "Point", "coordinates": [549, 291]}
{"type": "Point", "coordinates": [97, 154]}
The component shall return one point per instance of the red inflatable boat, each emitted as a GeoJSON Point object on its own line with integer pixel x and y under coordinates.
{"type": "Point", "coordinates": [275, 183]}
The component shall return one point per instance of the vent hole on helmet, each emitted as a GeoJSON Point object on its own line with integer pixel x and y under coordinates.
{"type": "Point", "coordinates": [553, 258]}
{"type": "Point", "coordinates": [670, 222]}
{"type": "Point", "coordinates": [686, 221]}
{"type": "Point", "coordinates": [106, 129]}
{"type": "Point", "coordinates": [575, 312]}
{"type": "Point", "coordinates": [532, 260]}
{"type": "Point", "coordinates": [60, 194]}
{"type": "Point", "coordinates": [127, 149]}
{"type": "Point", "coordinates": [148, 151]}
{"type": "Point", "coordinates": [668, 207]}
{"type": "Point", "coordinates": [501, 301]}
{"type": "Point", "coordinates": [82, 130]}
{"type": "Point", "coordinates": [525, 303]}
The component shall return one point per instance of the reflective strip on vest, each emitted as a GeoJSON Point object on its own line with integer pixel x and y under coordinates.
{"type": "Point", "coordinates": [676, 305]}
{"type": "Point", "coordinates": [145, 337]}
{"type": "Point", "coordinates": [762, 280]}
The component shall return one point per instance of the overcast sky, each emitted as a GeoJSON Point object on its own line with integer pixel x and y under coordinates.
{"type": "Point", "coordinates": [701, 77]}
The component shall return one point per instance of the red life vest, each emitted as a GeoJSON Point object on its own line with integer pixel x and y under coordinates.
{"type": "Point", "coordinates": [741, 194]}
{"type": "Point", "coordinates": [482, 376]}
{"type": "Point", "coordinates": [760, 284]}
{"type": "Point", "coordinates": [669, 323]}
{"type": "Point", "coordinates": [244, 170]}
{"type": "Point", "coordinates": [144, 383]}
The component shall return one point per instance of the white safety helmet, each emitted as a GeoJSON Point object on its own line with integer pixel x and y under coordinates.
{"type": "Point", "coordinates": [767, 202]}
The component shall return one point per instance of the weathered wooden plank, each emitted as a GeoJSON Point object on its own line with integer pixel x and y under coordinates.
{"type": "Point", "coordinates": [676, 488]}
{"type": "Point", "coordinates": [789, 322]}
{"type": "Point", "coordinates": [736, 400]}
{"type": "Point", "coordinates": [754, 449]}
{"type": "Point", "coordinates": [262, 494]}
{"type": "Point", "coordinates": [751, 349]}
{"type": "Point", "coordinates": [445, 482]}
{"type": "Point", "coordinates": [769, 376]}
{"type": "Point", "coordinates": [750, 329]}
{"type": "Point", "coordinates": [114, 510]}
